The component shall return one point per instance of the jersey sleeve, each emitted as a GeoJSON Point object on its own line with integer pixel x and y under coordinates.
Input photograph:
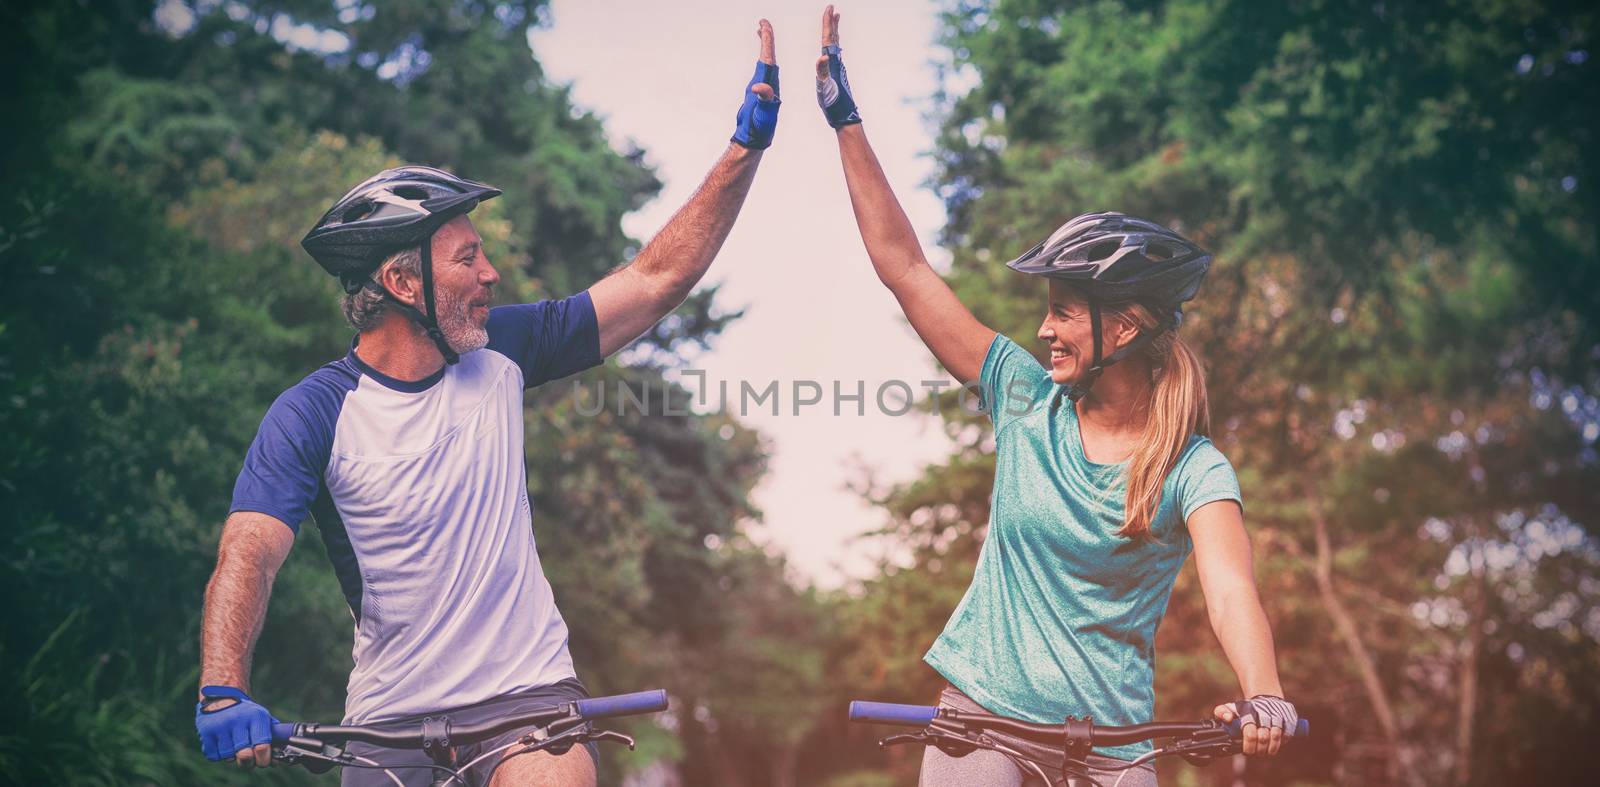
{"type": "Point", "coordinates": [1012, 382]}
{"type": "Point", "coordinates": [284, 467]}
{"type": "Point", "coordinates": [548, 340]}
{"type": "Point", "coordinates": [1206, 477]}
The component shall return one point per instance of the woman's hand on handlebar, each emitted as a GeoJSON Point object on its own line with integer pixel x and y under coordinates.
{"type": "Point", "coordinates": [1266, 720]}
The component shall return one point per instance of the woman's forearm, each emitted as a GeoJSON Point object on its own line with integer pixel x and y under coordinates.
{"type": "Point", "coordinates": [891, 242]}
{"type": "Point", "coordinates": [1241, 626]}
{"type": "Point", "coordinates": [956, 337]}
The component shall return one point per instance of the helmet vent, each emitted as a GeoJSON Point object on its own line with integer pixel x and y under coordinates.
{"type": "Point", "coordinates": [1156, 251]}
{"type": "Point", "coordinates": [411, 192]}
{"type": "Point", "coordinates": [356, 212]}
{"type": "Point", "coordinates": [1102, 250]}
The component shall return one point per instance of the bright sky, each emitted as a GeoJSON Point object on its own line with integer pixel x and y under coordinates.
{"type": "Point", "coordinates": [670, 76]}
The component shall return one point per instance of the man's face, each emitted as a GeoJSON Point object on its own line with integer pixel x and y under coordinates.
{"type": "Point", "coordinates": [463, 282]}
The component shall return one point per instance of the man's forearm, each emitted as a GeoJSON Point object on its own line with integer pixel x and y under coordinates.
{"type": "Point", "coordinates": [236, 601]}
{"type": "Point", "coordinates": [679, 255]}
{"type": "Point", "coordinates": [236, 606]}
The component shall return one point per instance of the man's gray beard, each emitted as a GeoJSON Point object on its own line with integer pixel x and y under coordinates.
{"type": "Point", "coordinates": [455, 321]}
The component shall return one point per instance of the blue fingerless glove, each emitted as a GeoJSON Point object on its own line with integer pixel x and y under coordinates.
{"type": "Point", "coordinates": [242, 725]}
{"type": "Point", "coordinates": [758, 118]}
{"type": "Point", "coordinates": [833, 93]}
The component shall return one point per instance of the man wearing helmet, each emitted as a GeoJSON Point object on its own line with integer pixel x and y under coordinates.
{"type": "Point", "coordinates": [1103, 481]}
{"type": "Point", "coordinates": [409, 453]}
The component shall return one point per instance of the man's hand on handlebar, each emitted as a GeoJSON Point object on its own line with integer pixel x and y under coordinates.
{"type": "Point", "coordinates": [233, 726]}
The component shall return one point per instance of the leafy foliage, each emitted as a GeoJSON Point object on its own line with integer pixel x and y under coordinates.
{"type": "Point", "coordinates": [157, 301]}
{"type": "Point", "coordinates": [1400, 333]}
{"type": "Point", "coordinates": [1401, 203]}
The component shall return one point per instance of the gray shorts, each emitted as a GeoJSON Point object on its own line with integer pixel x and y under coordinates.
{"type": "Point", "coordinates": [983, 768]}
{"type": "Point", "coordinates": [564, 691]}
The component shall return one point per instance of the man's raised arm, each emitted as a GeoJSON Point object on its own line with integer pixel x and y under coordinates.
{"type": "Point", "coordinates": [634, 298]}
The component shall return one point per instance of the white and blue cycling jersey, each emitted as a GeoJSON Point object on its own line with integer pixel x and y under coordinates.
{"type": "Point", "coordinates": [421, 495]}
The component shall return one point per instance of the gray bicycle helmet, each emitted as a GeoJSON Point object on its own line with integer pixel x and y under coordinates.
{"type": "Point", "coordinates": [390, 211]}
{"type": "Point", "coordinates": [1117, 258]}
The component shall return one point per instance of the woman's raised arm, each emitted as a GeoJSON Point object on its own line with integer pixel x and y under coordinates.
{"type": "Point", "coordinates": [956, 337]}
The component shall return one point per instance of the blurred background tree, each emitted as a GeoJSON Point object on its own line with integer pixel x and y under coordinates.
{"type": "Point", "coordinates": [1400, 332]}
{"type": "Point", "coordinates": [165, 163]}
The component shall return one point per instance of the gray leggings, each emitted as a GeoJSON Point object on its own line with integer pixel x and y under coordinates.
{"type": "Point", "coordinates": [983, 768]}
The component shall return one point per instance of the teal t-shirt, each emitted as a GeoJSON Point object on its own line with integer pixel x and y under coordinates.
{"type": "Point", "coordinates": [1061, 615]}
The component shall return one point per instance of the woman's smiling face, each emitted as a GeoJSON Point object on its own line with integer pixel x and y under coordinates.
{"type": "Point", "coordinates": [1069, 332]}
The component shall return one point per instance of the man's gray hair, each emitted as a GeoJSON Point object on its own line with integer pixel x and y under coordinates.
{"type": "Point", "coordinates": [364, 308]}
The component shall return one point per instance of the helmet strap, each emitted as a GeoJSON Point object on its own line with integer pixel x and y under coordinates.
{"type": "Point", "coordinates": [1094, 324]}
{"type": "Point", "coordinates": [431, 323]}
{"type": "Point", "coordinates": [1079, 389]}
{"type": "Point", "coordinates": [428, 319]}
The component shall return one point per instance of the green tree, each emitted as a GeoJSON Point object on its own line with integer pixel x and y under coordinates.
{"type": "Point", "coordinates": [1399, 331]}
{"type": "Point", "coordinates": [156, 302]}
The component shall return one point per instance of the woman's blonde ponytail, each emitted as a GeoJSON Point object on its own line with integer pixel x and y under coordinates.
{"type": "Point", "coordinates": [1178, 409]}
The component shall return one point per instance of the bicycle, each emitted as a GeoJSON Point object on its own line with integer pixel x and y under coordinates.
{"type": "Point", "coordinates": [559, 727]}
{"type": "Point", "coordinates": [958, 733]}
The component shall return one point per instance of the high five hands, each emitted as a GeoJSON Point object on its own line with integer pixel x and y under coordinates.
{"type": "Point", "coordinates": [758, 115]}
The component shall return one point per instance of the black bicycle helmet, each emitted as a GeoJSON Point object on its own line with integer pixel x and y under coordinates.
{"type": "Point", "coordinates": [393, 210]}
{"type": "Point", "coordinates": [1116, 258]}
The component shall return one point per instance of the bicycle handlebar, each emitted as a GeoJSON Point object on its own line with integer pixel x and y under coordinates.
{"type": "Point", "coordinates": [410, 736]}
{"type": "Point", "coordinates": [1103, 735]}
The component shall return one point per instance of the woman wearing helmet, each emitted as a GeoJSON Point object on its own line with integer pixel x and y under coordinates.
{"type": "Point", "coordinates": [1103, 480]}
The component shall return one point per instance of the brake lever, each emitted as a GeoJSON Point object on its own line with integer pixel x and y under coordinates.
{"type": "Point", "coordinates": [1203, 751]}
{"type": "Point", "coordinates": [953, 745]}
{"type": "Point", "coordinates": [902, 738]}
{"type": "Point", "coordinates": [540, 739]}
{"type": "Point", "coordinates": [313, 761]}
{"type": "Point", "coordinates": [613, 737]}
{"type": "Point", "coordinates": [561, 743]}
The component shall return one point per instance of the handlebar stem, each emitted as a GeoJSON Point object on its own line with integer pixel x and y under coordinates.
{"type": "Point", "coordinates": [1079, 738]}
{"type": "Point", "coordinates": [436, 740]}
